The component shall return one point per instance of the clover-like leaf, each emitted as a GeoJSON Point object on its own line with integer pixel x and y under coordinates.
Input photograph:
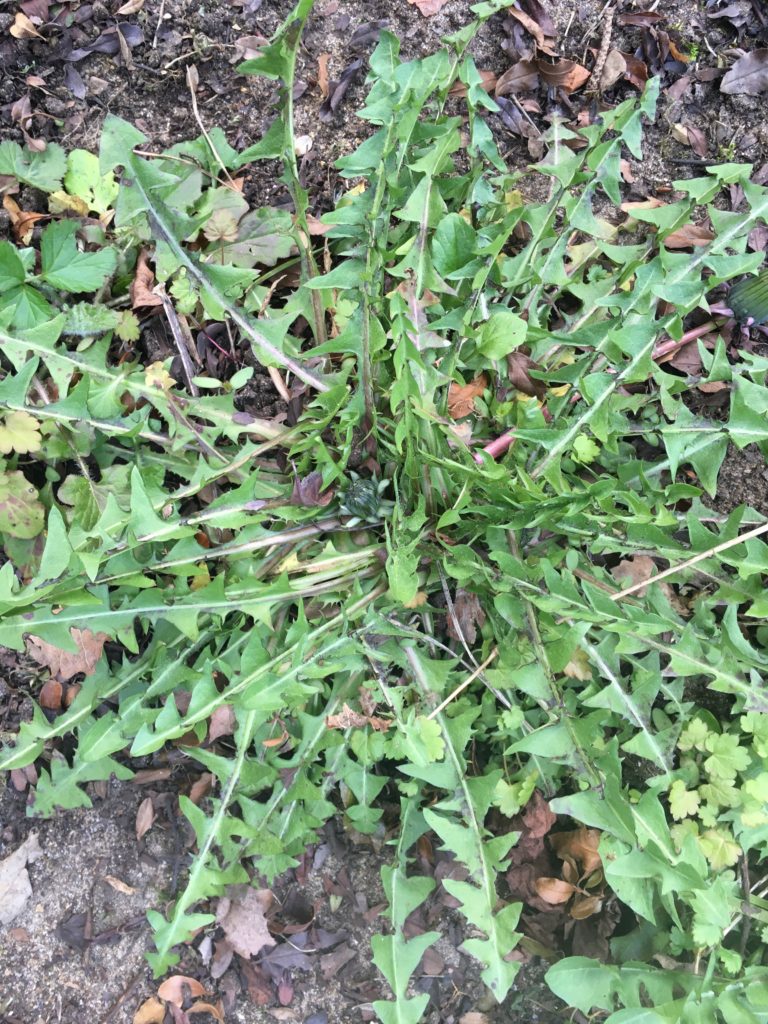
{"type": "Point", "coordinates": [21, 513]}
{"type": "Point", "coordinates": [19, 432]}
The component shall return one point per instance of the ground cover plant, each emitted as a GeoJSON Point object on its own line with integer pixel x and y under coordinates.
{"type": "Point", "coordinates": [421, 595]}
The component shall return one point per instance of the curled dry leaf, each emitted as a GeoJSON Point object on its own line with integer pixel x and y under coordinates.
{"type": "Point", "coordinates": [748, 76]}
{"type": "Point", "coordinates": [144, 818]}
{"type": "Point", "coordinates": [581, 845]}
{"type": "Point", "coordinates": [120, 886]}
{"type": "Point", "coordinates": [131, 7]}
{"type": "Point", "coordinates": [65, 664]}
{"type": "Point", "coordinates": [469, 615]}
{"type": "Point", "coordinates": [563, 74]}
{"type": "Point", "coordinates": [178, 988]}
{"type": "Point", "coordinates": [215, 1010]}
{"type": "Point", "coordinates": [585, 906]}
{"type": "Point", "coordinates": [461, 397]}
{"type": "Point", "coordinates": [22, 28]}
{"type": "Point", "coordinates": [151, 1011]}
{"type": "Point", "coordinates": [323, 82]}
{"type": "Point", "coordinates": [554, 890]}
{"type": "Point", "coordinates": [143, 282]}
{"type": "Point", "coordinates": [348, 718]}
{"type": "Point", "coordinates": [23, 222]}
{"type": "Point", "coordinates": [543, 42]}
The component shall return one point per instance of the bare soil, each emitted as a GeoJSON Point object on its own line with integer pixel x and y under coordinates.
{"type": "Point", "coordinates": [55, 966]}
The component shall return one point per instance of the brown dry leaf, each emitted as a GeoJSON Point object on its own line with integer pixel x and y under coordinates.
{"type": "Point", "coordinates": [65, 664]}
{"type": "Point", "coordinates": [222, 722]}
{"type": "Point", "coordinates": [585, 906]}
{"type": "Point", "coordinates": [15, 887]}
{"type": "Point", "coordinates": [544, 43]}
{"type": "Point", "coordinates": [554, 890]}
{"type": "Point", "coordinates": [520, 366]}
{"type": "Point", "coordinates": [581, 845]}
{"type": "Point", "coordinates": [22, 221]}
{"type": "Point", "coordinates": [651, 203]}
{"type": "Point", "coordinates": [51, 694]}
{"type": "Point", "coordinates": [521, 77]}
{"type": "Point", "coordinates": [131, 7]}
{"type": "Point", "coordinates": [323, 82]}
{"type": "Point", "coordinates": [22, 28]}
{"type": "Point", "coordinates": [201, 788]}
{"type": "Point", "coordinates": [461, 397]}
{"type": "Point", "coordinates": [689, 235]}
{"type": "Point", "coordinates": [144, 818]}
{"type": "Point", "coordinates": [563, 74]}
{"type": "Point", "coordinates": [143, 282]}
{"type": "Point", "coordinates": [637, 70]}
{"type": "Point", "coordinates": [243, 919]}
{"type": "Point", "coordinates": [614, 69]}
{"type": "Point", "coordinates": [748, 76]}
{"type": "Point", "coordinates": [469, 615]}
{"type": "Point", "coordinates": [179, 988]}
{"type": "Point", "coordinates": [151, 1011]}
{"type": "Point", "coordinates": [428, 7]}
{"type": "Point", "coordinates": [348, 718]}
{"type": "Point", "coordinates": [201, 1007]}
{"type": "Point", "coordinates": [578, 666]}
{"type": "Point", "coordinates": [120, 886]}
{"type": "Point", "coordinates": [459, 89]}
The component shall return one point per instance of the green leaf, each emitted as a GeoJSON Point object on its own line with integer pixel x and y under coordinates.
{"type": "Point", "coordinates": [501, 334]}
{"type": "Point", "coordinates": [11, 268]}
{"type": "Point", "coordinates": [65, 267]}
{"type": "Point", "coordinates": [84, 179]}
{"type": "Point", "coordinates": [43, 170]}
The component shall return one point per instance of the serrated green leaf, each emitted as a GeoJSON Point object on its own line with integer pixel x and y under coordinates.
{"type": "Point", "coordinates": [65, 267]}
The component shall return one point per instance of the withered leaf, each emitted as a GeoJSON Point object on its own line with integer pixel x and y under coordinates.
{"type": "Point", "coordinates": [222, 722]}
{"type": "Point", "coordinates": [554, 890]}
{"type": "Point", "coordinates": [563, 74]}
{"type": "Point", "coordinates": [748, 76]}
{"type": "Point", "coordinates": [323, 82]}
{"type": "Point", "coordinates": [65, 664]}
{"type": "Point", "coordinates": [337, 90]}
{"type": "Point", "coordinates": [469, 615]}
{"type": "Point", "coordinates": [15, 887]}
{"type": "Point", "coordinates": [74, 82]}
{"type": "Point", "coordinates": [151, 1011]}
{"type": "Point", "coordinates": [640, 18]}
{"type": "Point", "coordinates": [532, 26]}
{"type": "Point", "coordinates": [428, 7]}
{"type": "Point", "coordinates": [461, 397]}
{"type": "Point", "coordinates": [243, 919]}
{"type": "Point", "coordinates": [521, 77]}
{"type": "Point", "coordinates": [614, 69]}
{"type": "Point", "coordinates": [178, 988]}
{"type": "Point", "coordinates": [581, 844]}
{"type": "Point", "coordinates": [366, 34]}
{"type": "Point", "coordinates": [144, 817]}
{"type": "Point", "coordinates": [689, 235]}
{"type": "Point", "coordinates": [520, 366]}
{"type": "Point", "coordinates": [110, 42]}
{"type": "Point", "coordinates": [22, 28]}
{"type": "Point", "coordinates": [141, 292]}
{"type": "Point", "coordinates": [306, 491]}
{"type": "Point", "coordinates": [585, 906]}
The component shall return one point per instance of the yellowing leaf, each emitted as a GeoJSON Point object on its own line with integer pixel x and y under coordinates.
{"type": "Point", "coordinates": [19, 433]}
{"type": "Point", "coordinates": [156, 375]}
{"type": "Point", "coordinates": [62, 202]}
{"type": "Point", "coordinates": [128, 328]}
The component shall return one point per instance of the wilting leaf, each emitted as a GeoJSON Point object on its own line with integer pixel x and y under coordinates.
{"type": "Point", "coordinates": [461, 397]}
{"type": "Point", "coordinates": [108, 42]}
{"type": "Point", "coordinates": [749, 75]}
{"type": "Point", "coordinates": [22, 28]}
{"type": "Point", "coordinates": [21, 514]}
{"type": "Point", "coordinates": [581, 845]}
{"type": "Point", "coordinates": [222, 723]}
{"type": "Point", "coordinates": [306, 491]}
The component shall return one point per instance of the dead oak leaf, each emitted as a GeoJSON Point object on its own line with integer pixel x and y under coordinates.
{"type": "Point", "coordinates": [461, 397]}
{"type": "Point", "coordinates": [429, 7]}
{"type": "Point", "coordinates": [65, 664]}
{"type": "Point", "coordinates": [243, 919]}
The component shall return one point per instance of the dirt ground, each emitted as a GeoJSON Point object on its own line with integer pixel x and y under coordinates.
{"type": "Point", "coordinates": [56, 966]}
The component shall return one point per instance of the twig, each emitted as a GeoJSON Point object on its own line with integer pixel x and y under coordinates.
{"type": "Point", "coordinates": [465, 684]}
{"type": "Point", "coordinates": [179, 339]}
{"type": "Point", "coordinates": [159, 23]}
{"type": "Point", "coordinates": [602, 53]}
{"type": "Point", "coordinates": [691, 561]}
{"type": "Point", "coordinates": [193, 81]}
